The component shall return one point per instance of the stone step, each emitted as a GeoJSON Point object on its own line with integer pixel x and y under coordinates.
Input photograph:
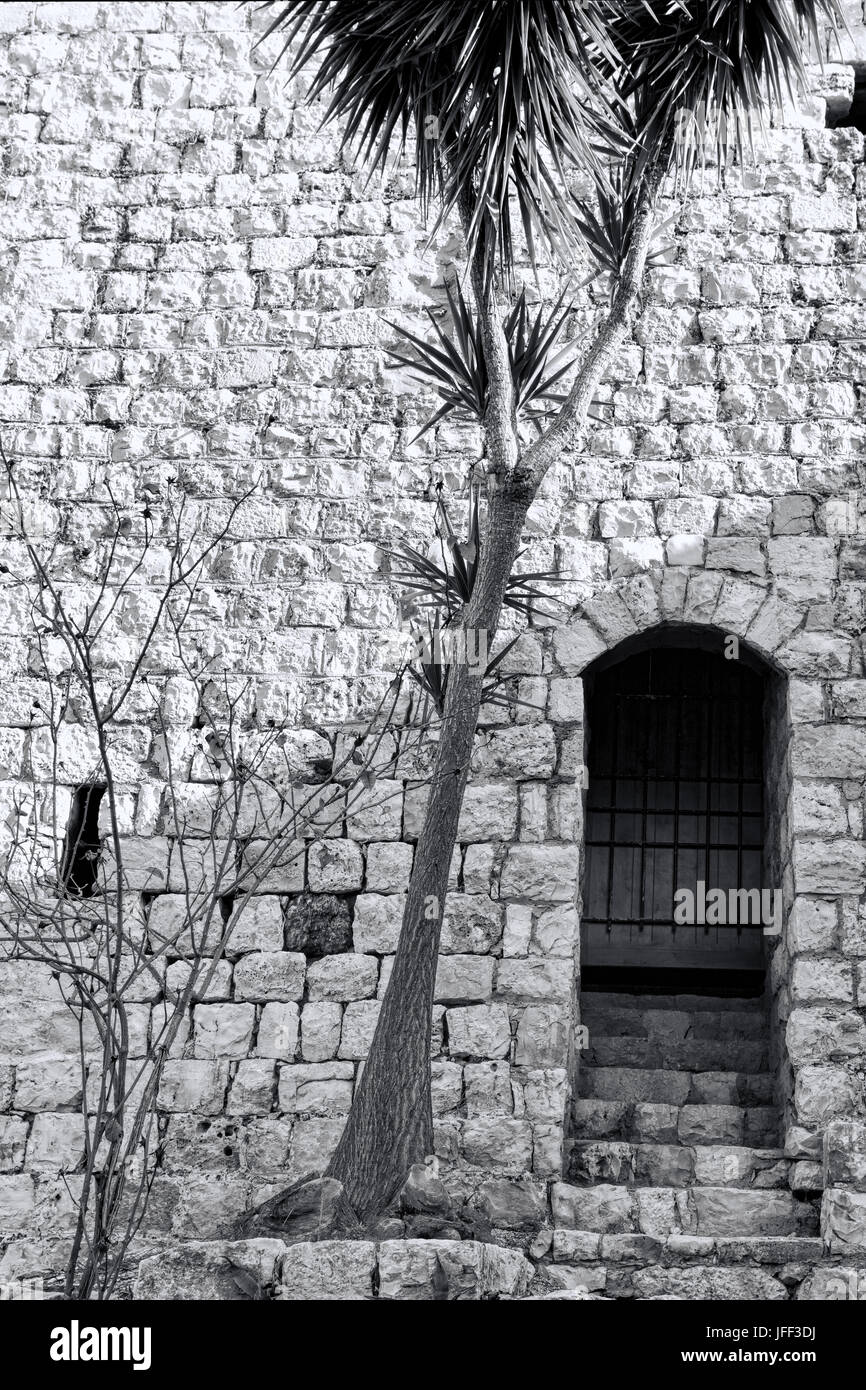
{"type": "Point", "coordinates": [673, 1023]}
{"type": "Point", "coordinates": [592, 1247]}
{"type": "Point", "coordinates": [613, 1209]}
{"type": "Point", "coordinates": [650, 1122]}
{"type": "Point", "coordinates": [663, 1085]}
{"type": "Point", "coordinates": [679, 1054]}
{"type": "Point", "coordinates": [676, 1165]}
{"type": "Point", "coordinates": [688, 1003]}
{"type": "Point", "coordinates": [638, 1266]}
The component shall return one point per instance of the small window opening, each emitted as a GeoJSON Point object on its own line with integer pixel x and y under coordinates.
{"type": "Point", "coordinates": [841, 116]}
{"type": "Point", "coordinates": [81, 847]}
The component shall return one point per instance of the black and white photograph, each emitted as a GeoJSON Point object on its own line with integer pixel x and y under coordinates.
{"type": "Point", "coordinates": [432, 671]}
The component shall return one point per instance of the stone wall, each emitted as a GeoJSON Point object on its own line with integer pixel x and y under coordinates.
{"type": "Point", "coordinates": [195, 285]}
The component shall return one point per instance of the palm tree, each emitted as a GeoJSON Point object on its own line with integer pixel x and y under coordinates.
{"type": "Point", "coordinates": [507, 98]}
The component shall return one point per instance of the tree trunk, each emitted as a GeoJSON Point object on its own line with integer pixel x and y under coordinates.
{"type": "Point", "coordinates": [390, 1124]}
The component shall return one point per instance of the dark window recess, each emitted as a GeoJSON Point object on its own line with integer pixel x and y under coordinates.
{"type": "Point", "coordinates": [80, 864]}
{"type": "Point", "coordinates": [675, 797]}
{"type": "Point", "coordinates": [840, 116]}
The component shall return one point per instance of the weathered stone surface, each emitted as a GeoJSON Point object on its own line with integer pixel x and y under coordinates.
{"type": "Point", "coordinates": [424, 1191]}
{"type": "Point", "coordinates": [481, 1030]}
{"type": "Point", "coordinates": [450, 1270]}
{"type": "Point", "coordinates": [269, 975]}
{"type": "Point", "coordinates": [821, 1093]}
{"type": "Point", "coordinates": [734, 1211]}
{"type": "Point", "coordinates": [548, 872]}
{"type": "Point", "coordinates": [514, 1205]}
{"type": "Point", "coordinates": [843, 1220]}
{"type": "Point", "coordinates": [838, 1284]}
{"type": "Point", "coordinates": [701, 1282]}
{"type": "Point", "coordinates": [342, 977]}
{"type": "Point", "coordinates": [338, 1270]}
{"type": "Point", "coordinates": [194, 281]}
{"type": "Point", "coordinates": [318, 924]}
{"type": "Point", "coordinates": [604, 1208]}
{"type": "Point", "coordinates": [845, 1154]}
{"type": "Point", "coordinates": [228, 1270]}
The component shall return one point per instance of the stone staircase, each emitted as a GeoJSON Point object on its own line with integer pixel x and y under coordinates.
{"type": "Point", "coordinates": [676, 1184]}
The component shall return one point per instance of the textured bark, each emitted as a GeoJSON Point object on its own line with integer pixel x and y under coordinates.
{"type": "Point", "coordinates": [390, 1125]}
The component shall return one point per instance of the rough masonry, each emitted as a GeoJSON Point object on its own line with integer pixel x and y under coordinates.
{"type": "Point", "coordinates": [194, 285]}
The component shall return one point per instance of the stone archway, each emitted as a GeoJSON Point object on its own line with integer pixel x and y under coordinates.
{"type": "Point", "coordinates": [779, 1196]}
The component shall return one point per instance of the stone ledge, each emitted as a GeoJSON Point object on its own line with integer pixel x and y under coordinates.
{"type": "Point", "coordinates": [353, 1270]}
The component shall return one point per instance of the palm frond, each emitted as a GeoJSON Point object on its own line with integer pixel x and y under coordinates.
{"type": "Point", "coordinates": [608, 225]}
{"type": "Point", "coordinates": [446, 587]}
{"type": "Point", "coordinates": [454, 365]}
{"type": "Point", "coordinates": [502, 96]}
{"type": "Point", "coordinates": [688, 65]}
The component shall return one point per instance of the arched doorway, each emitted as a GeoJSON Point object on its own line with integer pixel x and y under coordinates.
{"type": "Point", "coordinates": [674, 874]}
{"type": "Point", "coordinates": [675, 1117]}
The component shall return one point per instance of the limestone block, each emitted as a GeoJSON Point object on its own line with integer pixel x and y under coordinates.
{"type": "Point", "coordinates": [517, 752]}
{"type": "Point", "coordinates": [223, 1030]}
{"type": "Point", "coordinates": [313, 1142]}
{"type": "Point", "coordinates": [270, 975]}
{"type": "Point", "coordinates": [320, 1088]}
{"type": "Point", "coordinates": [334, 866]}
{"type": "Point", "coordinates": [822, 979]}
{"type": "Point", "coordinates": [252, 1088]}
{"type": "Point", "coordinates": [472, 925]}
{"type": "Point", "coordinates": [480, 1030]}
{"type": "Point", "coordinates": [196, 1086]}
{"type": "Point", "coordinates": [389, 864]}
{"type": "Point", "coordinates": [542, 1036]}
{"type": "Point", "coordinates": [489, 811]}
{"type": "Point", "coordinates": [822, 1093]}
{"type": "Point", "coordinates": [277, 1035]}
{"type": "Point", "coordinates": [327, 1270]}
{"type": "Point", "coordinates": [359, 1025]}
{"type": "Point", "coordinates": [228, 1270]}
{"type": "Point", "coordinates": [534, 979]}
{"type": "Point", "coordinates": [547, 872]}
{"type": "Point", "coordinates": [811, 926]}
{"type": "Point", "coordinates": [377, 921]}
{"type": "Point", "coordinates": [829, 866]}
{"type": "Point", "coordinates": [556, 932]}
{"type": "Point", "coordinates": [575, 646]}
{"type": "Point", "coordinates": [545, 1092]}
{"type": "Point", "coordinates": [377, 813]}
{"type": "Point", "coordinates": [46, 1085]}
{"type": "Point", "coordinates": [829, 750]}
{"type": "Point", "coordinates": [256, 925]}
{"type": "Point", "coordinates": [464, 979]}
{"type": "Point", "coordinates": [843, 1220]}
{"type": "Point", "coordinates": [824, 1034]}
{"type": "Point", "coordinates": [319, 924]}
{"type": "Point", "coordinates": [490, 1089]}
{"type": "Point", "coordinates": [342, 977]}
{"type": "Point", "coordinates": [707, 1282]}
{"type": "Point", "coordinates": [320, 1031]}
{"type": "Point", "coordinates": [450, 1269]}
{"type": "Point", "coordinates": [845, 1154]}
{"type": "Point", "coordinates": [604, 1208]}
{"type": "Point", "coordinates": [13, 1141]}
{"type": "Point", "coordinates": [446, 1080]}
{"type": "Point", "coordinates": [498, 1145]}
